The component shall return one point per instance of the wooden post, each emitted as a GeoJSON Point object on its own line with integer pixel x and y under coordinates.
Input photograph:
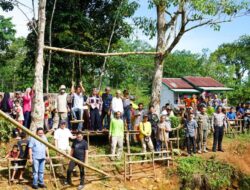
{"type": "Point", "coordinates": [153, 160]}
{"type": "Point", "coordinates": [88, 138]}
{"type": "Point", "coordinates": [24, 129]}
{"type": "Point", "coordinates": [178, 139]}
{"type": "Point", "coordinates": [125, 167]}
{"type": "Point", "coordinates": [9, 171]}
{"type": "Point", "coordinates": [53, 172]}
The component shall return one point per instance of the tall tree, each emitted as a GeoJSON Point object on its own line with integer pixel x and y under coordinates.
{"type": "Point", "coordinates": [235, 54]}
{"type": "Point", "coordinates": [177, 17]}
{"type": "Point", "coordinates": [81, 25]}
{"type": "Point", "coordinates": [38, 105]}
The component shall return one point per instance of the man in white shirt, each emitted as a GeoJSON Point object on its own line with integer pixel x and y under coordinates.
{"type": "Point", "coordinates": [61, 107]}
{"type": "Point", "coordinates": [62, 136]}
{"type": "Point", "coordinates": [117, 104]}
{"type": "Point", "coordinates": [77, 103]}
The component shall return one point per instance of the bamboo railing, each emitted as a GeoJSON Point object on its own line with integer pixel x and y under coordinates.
{"type": "Point", "coordinates": [18, 125]}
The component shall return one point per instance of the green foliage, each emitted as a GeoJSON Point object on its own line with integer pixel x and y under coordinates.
{"type": "Point", "coordinates": [175, 121]}
{"type": "Point", "coordinates": [6, 5]}
{"type": "Point", "coordinates": [7, 32]}
{"type": "Point", "coordinates": [6, 129]}
{"type": "Point", "coordinates": [210, 111]}
{"type": "Point", "coordinates": [217, 175]}
{"type": "Point", "coordinates": [84, 26]}
{"type": "Point", "coordinates": [11, 67]}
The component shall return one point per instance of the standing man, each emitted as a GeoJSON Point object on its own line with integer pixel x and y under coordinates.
{"type": "Point", "coordinates": [38, 153]}
{"type": "Point", "coordinates": [117, 104]}
{"type": "Point", "coordinates": [61, 107]}
{"type": "Point", "coordinates": [77, 103]}
{"type": "Point", "coordinates": [106, 107]}
{"type": "Point", "coordinates": [153, 119]}
{"type": "Point", "coordinates": [247, 116]}
{"type": "Point", "coordinates": [202, 130]}
{"type": "Point", "coordinates": [190, 126]}
{"type": "Point", "coordinates": [79, 150]}
{"type": "Point", "coordinates": [95, 102]}
{"type": "Point", "coordinates": [116, 135]}
{"type": "Point", "coordinates": [62, 136]}
{"type": "Point", "coordinates": [218, 124]}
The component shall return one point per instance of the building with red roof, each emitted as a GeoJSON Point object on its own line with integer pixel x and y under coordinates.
{"type": "Point", "coordinates": [174, 89]}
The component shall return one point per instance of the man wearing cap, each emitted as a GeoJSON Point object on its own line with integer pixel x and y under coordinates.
{"type": "Point", "coordinates": [78, 100]}
{"type": "Point", "coordinates": [145, 134]}
{"type": "Point", "coordinates": [62, 136]}
{"type": "Point", "coordinates": [117, 104]}
{"type": "Point", "coordinates": [61, 107]}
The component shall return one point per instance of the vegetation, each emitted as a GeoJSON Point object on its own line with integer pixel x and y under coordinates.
{"type": "Point", "coordinates": [6, 130]}
{"type": "Point", "coordinates": [199, 173]}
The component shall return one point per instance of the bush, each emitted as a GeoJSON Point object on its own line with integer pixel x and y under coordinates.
{"type": "Point", "coordinates": [6, 130]}
{"type": "Point", "coordinates": [199, 173]}
{"type": "Point", "coordinates": [175, 121]}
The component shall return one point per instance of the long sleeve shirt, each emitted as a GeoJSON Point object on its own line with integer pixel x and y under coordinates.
{"type": "Point", "coordinates": [145, 129]}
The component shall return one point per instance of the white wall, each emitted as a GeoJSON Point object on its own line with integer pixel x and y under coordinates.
{"type": "Point", "coordinates": [167, 96]}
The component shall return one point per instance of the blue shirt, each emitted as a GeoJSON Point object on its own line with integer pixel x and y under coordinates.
{"type": "Point", "coordinates": [190, 127]}
{"type": "Point", "coordinates": [38, 148]}
{"type": "Point", "coordinates": [231, 115]}
{"type": "Point", "coordinates": [106, 99]}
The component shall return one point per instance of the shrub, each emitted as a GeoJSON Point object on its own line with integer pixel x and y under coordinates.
{"type": "Point", "coordinates": [6, 130]}
{"type": "Point", "coordinates": [175, 121]}
{"type": "Point", "coordinates": [196, 172]}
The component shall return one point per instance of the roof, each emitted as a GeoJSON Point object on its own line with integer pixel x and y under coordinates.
{"type": "Point", "coordinates": [176, 83]}
{"type": "Point", "coordinates": [216, 88]}
{"type": "Point", "coordinates": [203, 81]}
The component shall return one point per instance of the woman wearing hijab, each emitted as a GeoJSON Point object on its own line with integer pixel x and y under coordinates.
{"type": "Point", "coordinates": [6, 103]}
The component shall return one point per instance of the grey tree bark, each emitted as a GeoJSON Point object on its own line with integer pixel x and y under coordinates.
{"type": "Point", "coordinates": [37, 115]}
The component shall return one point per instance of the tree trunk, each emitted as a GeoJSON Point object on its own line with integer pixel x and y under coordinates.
{"type": "Point", "coordinates": [161, 32]}
{"type": "Point", "coordinates": [50, 44]}
{"type": "Point", "coordinates": [38, 104]}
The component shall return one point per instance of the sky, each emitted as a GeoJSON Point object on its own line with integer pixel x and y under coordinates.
{"type": "Point", "coordinates": [195, 40]}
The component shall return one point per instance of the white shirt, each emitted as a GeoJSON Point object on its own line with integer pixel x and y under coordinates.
{"type": "Point", "coordinates": [61, 102]}
{"type": "Point", "coordinates": [62, 136]}
{"type": "Point", "coordinates": [117, 105]}
{"type": "Point", "coordinates": [78, 101]}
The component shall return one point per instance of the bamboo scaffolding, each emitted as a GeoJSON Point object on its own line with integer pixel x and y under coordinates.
{"type": "Point", "coordinates": [18, 125]}
{"type": "Point", "coordinates": [100, 54]}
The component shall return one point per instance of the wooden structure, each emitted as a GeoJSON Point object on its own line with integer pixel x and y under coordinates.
{"type": "Point", "coordinates": [234, 127]}
{"type": "Point", "coordinates": [18, 125]}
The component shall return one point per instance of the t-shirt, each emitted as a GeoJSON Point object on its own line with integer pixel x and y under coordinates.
{"type": "Point", "coordinates": [116, 128]}
{"type": "Point", "coordinates": [26, 103]}
{"type": "Point", "coordinates": [79, 148]}
{"type": "Point", "coordinates": [190, 127]}
{"type": "Point", "coordinates": [19, 112]}
{"type": "Point", "coordinates": [38, 148]}
{"type": "Point", "coordinates": [231, 115]}
{"type": "Point", "coordinates": [117, 105]}
{"type": "Point", "coordinates": [161, 134]}
{"type": "Point", "coordinates": [62, 136]}
{"type": "Point", "coordinates": [126, 103]}
{"type": "Point", "coordinates": [145, 129]}
{"type": "Point", "coordinates": [23, 148]}
{"type": "Point", "coordinates": [62, 103]}
{"type": "Point", "coordinates": [78, 101]}
{"type": "Point", "coordinates": [107, 99]}
{"type": "Point", "coordinates": [139, 116]}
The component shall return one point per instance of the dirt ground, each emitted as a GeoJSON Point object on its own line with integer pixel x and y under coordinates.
{"type": "Point", "coordinates": [237, 153]}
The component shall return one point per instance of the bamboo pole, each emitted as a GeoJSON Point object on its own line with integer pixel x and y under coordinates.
{"type": "Point", "coordinates": [99, 54]}
{"type": "Point", "coordinates": [18, 125]}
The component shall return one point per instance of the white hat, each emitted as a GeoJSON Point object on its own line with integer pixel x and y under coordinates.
{"type": "Point", "coordinates": [62, 87]}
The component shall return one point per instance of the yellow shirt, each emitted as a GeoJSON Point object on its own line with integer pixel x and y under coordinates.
{"type": "Point", "coordinates": [145, 129]}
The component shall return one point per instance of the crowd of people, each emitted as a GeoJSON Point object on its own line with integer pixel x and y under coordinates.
{"type": "Point", "coordinates": [114, 114]}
